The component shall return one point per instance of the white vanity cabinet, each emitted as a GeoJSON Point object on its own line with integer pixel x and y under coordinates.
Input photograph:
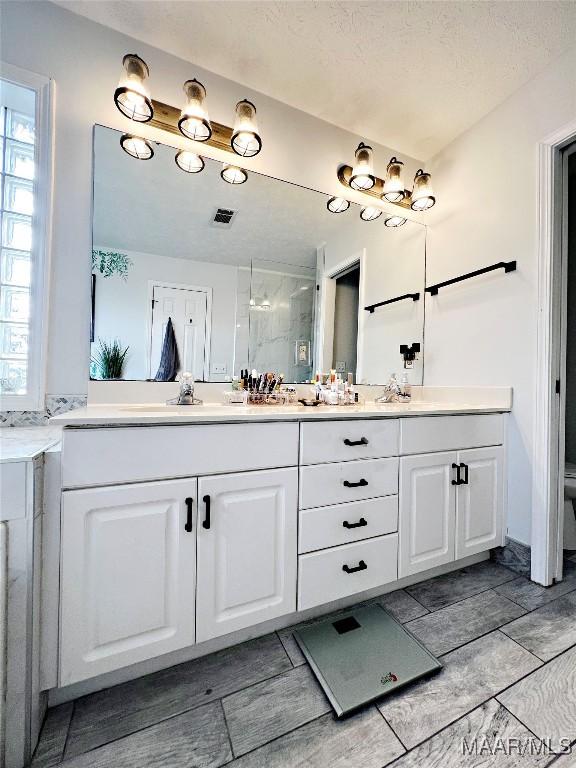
{"type": "Point", "coordinates": [247, 550]}
{"type": "Point", "coordinates": [128, 575]}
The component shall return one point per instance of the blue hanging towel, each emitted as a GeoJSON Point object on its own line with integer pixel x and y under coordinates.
{"type": "Point", "coordinates": [169, 359]}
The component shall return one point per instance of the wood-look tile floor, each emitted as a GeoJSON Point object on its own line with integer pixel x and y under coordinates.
{"type": "Point", "coordinates": [506, 695]}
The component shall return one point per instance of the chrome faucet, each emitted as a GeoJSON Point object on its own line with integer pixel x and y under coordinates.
{"type": "Point", "coordinates": [186, 394]}
{"type": "Point", "coordinates": [392, 391]}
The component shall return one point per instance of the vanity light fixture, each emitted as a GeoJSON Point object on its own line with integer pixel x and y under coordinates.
{"type": "Point", "coordinates": [422, 193]}
{"type": "Point", "coordinates": [246, 140]}
{"type": "Point", "coordinates": [370, 212]}
{"type": "Point", "coordinates": [395, 221]}
{"type": "Point", "coordinates": [131, 96]}
{"type": "Point", "coordinates": [189, 162]}
{"type": "Point", "coordinates": [337, 205]}
{"type": "Point", "coordinates": [194, 122]}
{"type": "Point", "coordinates": [233, 175]}
{"type": "Point", "coordinates": [136, 147]}
{"type": "Point", "coordinates": [362, 177]}
{"type": "Point", "coordinates": [394, 185]}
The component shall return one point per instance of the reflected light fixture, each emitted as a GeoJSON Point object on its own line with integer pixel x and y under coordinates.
{"type": "Point", "coordinates": [131, 96]}
{"type": "Point", "coordinates": [233, 175]}
{"type": "Point", "coordinates": [363, 177]}
{"type": "Point", "coordinates": [394, 185]}
{"type": "Point", "coordinates": [337, 205]}
{"type": "Point", "coordinates": [370, 212]}
{"type": "Point", "coordinates": [422, 192]}
{"type": "Point", "coordinates": [194, 122]}
{"type": "Point", "coordinates": [395, 221]}
{"type": "Point", "coordinates": [246, 140]}
{"type": "Point", "coordinates": [189, 162]}
{"type": "Point", "coordinates": [136, 147]}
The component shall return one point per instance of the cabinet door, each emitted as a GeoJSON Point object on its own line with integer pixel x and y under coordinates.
{"type": "Point", "coordinates": [128, 572]}
{"type": "Point", "coordinates": [247, 555]}
{"type": "Point", "coordinates": [480, 504]}
{"type": "Point", "coordinates": [427, 512]}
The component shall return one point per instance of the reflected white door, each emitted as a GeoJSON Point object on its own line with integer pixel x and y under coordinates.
{"type": "Point", "coordinates": [188, 309]}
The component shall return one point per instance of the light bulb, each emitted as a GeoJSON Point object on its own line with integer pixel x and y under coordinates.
{"type": "Point", "coordinates": [395, 221]}
{"type": "Point", "coordinates": [394, 186]}
{"type": "Point", "coordinates": [337, 205]}
{"type": "Point", "coordinates": [362, 177]}
{"type": "Point", "coordinates": [131, 96]}
{"type": "Point", "coordinates": [189, 162]}
{"type": "Point", "coordinates": [233, 175]}
{"type": "Point", "coordinates": [194, 122]}
{"type": "Point", "coordinates": [136, 147]}
{"type": "Point", "coordinates": [246, 140]}
{"type": "Point", "coordinates": [422, 193]}
{"type": "Point", "coordinates": [370, 212]}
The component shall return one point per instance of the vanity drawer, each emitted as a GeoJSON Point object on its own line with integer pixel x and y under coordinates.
{"type": "Point", "coordinates": [322, 578]}
{"type": "Point", "coordinates": [429, 434]}
{"type": "Point", "coordinates": [325, 526]}
{"type": "Point", "coordinates": [347, 440]}
{"type": "Point", "coordinates": [325, 484]}
{"type": "Point", "coordinates": [134, 454]}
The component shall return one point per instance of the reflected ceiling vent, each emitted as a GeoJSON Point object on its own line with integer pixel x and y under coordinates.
{"type": "Point", "coordinates": [223, 218]}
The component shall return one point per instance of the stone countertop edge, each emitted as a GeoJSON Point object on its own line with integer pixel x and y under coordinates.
{"type": "Point", "coordinates": [137, 415]}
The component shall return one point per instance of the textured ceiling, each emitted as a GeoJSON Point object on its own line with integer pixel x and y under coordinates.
{"type": "Point", "coordinates": [412, 75]}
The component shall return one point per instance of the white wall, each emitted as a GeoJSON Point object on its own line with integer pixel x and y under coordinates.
{"type": "Point", "coordinates": [85, 61]}
{"type": "Point", "coordinates": [123, 307]}
{"type": "Point", "coordinates": [483, 332]}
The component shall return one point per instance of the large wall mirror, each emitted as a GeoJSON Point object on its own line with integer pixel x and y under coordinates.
{"type": "Point", "coordinates": [254, 275]}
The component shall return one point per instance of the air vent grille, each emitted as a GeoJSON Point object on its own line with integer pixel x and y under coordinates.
{"type": "Point", "coordinates": [223, 217]}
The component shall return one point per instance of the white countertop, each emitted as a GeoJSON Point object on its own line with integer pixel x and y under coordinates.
{"type": "Point", "coordinates": [23, 443]}
{"type": "Point", "coordinates": [154, 413]}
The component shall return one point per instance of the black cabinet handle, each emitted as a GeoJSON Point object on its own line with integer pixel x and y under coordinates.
{"type": "Point", "coordinates": [458, 480]}
{"type": "Point", "coordinates": [362, 441]}
{"type": "Point", "coordinates": [206, 521]}
{"type": "Point", "coordinates": [360, 524]}
{"type": "Point", "coordinates": [360, 567]}
{"type": "Point", "coordinates": [188, 524]}
{"type": "Point", "coordinates": [360, 483]}
{"type": "Point", "coordinates": [465, 468]}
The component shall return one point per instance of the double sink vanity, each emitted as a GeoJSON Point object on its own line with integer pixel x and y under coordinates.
{"type": "Point", "coordinates": [182, 528]}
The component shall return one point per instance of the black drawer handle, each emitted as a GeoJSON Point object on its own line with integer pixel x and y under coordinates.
{"type": "Point", "coordinates": [362, 441]}
{"type": "Point", "coordinates": [359, 484]}
{"type": "Point", "coordinates": [360, 524]}
{"type": "Point", "coordinates": [360, 567]}
{"type": "Point", "coordinates": [188, 524]}
{"type": "Point", "coordinates": [465, 468]}
{"type": "Point", "coordinates": [206, 521]}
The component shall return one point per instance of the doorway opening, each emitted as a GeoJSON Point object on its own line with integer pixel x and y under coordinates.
{"type": "Point", "coordinates": [346, 301]}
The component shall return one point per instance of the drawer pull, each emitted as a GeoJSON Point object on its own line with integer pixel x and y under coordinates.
{"type": "Point", "coordinates": [458, 480]}
{"type": "Point", "coordinates": [206, 521]}
{"type": "Point", "coordinates": [359, 484]}
{"type": "Point", "coordinates": [362, 441]}
{"type": "Point", "coordinates": [360, 524]}
{"type": "Point", "coordinates": [188, 524]}
{"type": "Point", "coordinates": [360, 567]}
{"type": "Point", "coordinates": [465, 468]}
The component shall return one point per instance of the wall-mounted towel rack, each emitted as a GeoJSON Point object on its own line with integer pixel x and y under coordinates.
{"type": "Point", "coordinates": [507, 266]}
{"type": "Point", "coordinates": [414, 296]}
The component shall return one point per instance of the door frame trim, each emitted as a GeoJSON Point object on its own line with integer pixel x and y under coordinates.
{"type": "Point", "coordinates": [208, 325]}
{"type": "Point", "coordinates": [546, 536]}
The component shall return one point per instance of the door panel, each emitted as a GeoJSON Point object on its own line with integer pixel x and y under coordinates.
{"type": "Point", "coordinates": [128, 573]}
{"type": "Point", "coordinates": [427, 512]}
{"type": "Point", "coordinates": [247, 557]}
{"type": "Point", "coordinates": [480, 502]}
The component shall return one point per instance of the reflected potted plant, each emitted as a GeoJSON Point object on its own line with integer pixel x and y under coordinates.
{"type": "Point", "coordinates": [108, 361]}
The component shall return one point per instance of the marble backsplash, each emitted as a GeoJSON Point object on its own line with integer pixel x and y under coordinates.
{"type": "Point", "coordinates": [53, 405]}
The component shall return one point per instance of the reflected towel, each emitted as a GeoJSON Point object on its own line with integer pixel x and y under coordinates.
{"type": "Point", "coordinates": [169, 358]}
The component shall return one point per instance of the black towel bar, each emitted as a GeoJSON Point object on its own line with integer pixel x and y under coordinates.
{"type": "Point", "coordinates": [414, 296]}
{"type": "Point", "coordinates": [507, 266]}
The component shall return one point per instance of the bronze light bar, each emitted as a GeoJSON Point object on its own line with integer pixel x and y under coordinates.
{"type": "Point", "coordinates": [166, 118]}
{"type": "Point", "coordinates": [345, 174]}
